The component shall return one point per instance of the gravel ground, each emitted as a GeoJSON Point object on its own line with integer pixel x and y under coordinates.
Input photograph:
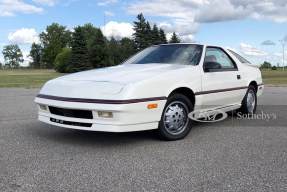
{"type": "Point", "coordinates": [231, 155]}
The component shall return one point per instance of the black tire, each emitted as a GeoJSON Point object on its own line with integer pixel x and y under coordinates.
{"type": "Point", "coordinates": [179, 124]}
{"type": "Point", "coordinates": [245, 106]}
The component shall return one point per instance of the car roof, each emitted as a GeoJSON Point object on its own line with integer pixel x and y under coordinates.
{"type": "Point", "coordinates": [203, 44]}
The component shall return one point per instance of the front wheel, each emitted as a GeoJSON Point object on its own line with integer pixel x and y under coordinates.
{"type": "Point", "coordinates": [175, 123]}
{"type": "Point", "coordinates": [249, 103]}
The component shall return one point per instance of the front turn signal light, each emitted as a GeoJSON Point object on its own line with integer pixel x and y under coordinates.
{"type": "Point", "coordinates": [152, 106]}
{"type": "Point", "coordinates": [43, 107]}
{"type": "Point", "coordinates": [104, 114]}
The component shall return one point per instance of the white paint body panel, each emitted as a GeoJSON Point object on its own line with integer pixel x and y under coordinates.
{"type": "Point", "coordinates": [140, 81]}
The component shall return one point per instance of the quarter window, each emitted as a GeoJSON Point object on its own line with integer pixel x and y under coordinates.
{"type": "Point", "coordinates": [239, 57]}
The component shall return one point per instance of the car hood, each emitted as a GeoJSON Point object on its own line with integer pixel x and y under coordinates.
{"type": "Point", "coordinates": [104, 82]}
{"type": "Point", "coordinates": [122, 74]}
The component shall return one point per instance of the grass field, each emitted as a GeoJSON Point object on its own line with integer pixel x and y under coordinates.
{"type": "Point", "coordinates": [36, 78]}
{"type": "Point", "coordinates": [274, 77]}
{"type": "Point", "coordinates": [26, 77]}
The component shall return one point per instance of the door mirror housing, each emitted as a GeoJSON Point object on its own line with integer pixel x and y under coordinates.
{"type": "Point", "coordinates": [211, 66]}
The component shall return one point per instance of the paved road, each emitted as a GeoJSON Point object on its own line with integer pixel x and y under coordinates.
{"type": "Point", "coordinates": [232, 155]}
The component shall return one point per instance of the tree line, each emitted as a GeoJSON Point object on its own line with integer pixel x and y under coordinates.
{"type": "Point", "coordinates": [85, 47]}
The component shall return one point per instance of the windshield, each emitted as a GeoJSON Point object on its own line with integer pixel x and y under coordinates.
{"type": "Point", "coordinates": [184, 54]}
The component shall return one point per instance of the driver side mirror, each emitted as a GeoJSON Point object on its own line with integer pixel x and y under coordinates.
{"type": "Point", "coordinates": [211, 66]}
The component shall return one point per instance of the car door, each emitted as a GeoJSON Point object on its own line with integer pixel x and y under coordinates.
{"type": "Point", "coordinates": [221, 86]}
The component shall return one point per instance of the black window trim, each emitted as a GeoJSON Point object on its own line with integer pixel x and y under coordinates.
{"type": "Point", "coordinates": [222, 69]}
{"type": "Point", "coordinates": [201, 53]}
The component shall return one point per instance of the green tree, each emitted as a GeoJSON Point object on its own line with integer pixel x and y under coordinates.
{"type": "Point", "coordinates": [266, 65]}
{"type": "Point", "coordinates": [126, 48]}
{"type": "Point", "coordinates": [53, 39]}
{"type": "Point", "coordinates": [162, 37]}
{"type": "Point", "coordinates": [148, 37]}
{"type": "Point", "coordinates": [144, 36]}
{"type": "Point", "coordinates": [140, 34]}
{"type": "Point", "coordinates": [97, 46]}
{"type": "Point", "coordinates": [63, 60]}
{"type": "Point", "coordinates": [1, 65]}
{"type": "Point", "coordinates": [90, 32]}
{"type": "Point", "coordinates": [174, 39]}
{"type": "Point", "coordinates": [13, 56]}
{"type": "Point", "coordinates": [36, 55]}
{"type": "Point", "coordinates": [114, 49]}
{"type": "Point", "coordinates": [80, 55]}
{"type": "Point", "coordinates": [99, 54]}
{"type": "Point", "coordinates": [155, 35]}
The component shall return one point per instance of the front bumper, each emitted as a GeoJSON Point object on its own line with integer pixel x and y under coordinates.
{"type": "Point", "coordinates": [126, 117]}
{"type": "Point", "coordinates": [260, 89]}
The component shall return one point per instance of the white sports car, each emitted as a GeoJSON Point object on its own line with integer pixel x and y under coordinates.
{"type": "Point", "coordinates": [155, 89]}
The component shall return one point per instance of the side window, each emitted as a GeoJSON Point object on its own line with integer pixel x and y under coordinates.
{"type": "Point", "coordinates": [218, 55]}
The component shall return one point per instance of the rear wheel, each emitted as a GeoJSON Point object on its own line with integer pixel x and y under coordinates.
{"type": "Point", "coordinates": [249, 103]}
{"type": "Point", "coordinates": [175, 123]}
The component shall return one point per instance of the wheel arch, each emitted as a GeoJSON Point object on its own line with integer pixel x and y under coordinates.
{"type": "Point", "coordinates": [186, 92]}
{"type": "Point", "coordinates": [254, 84]}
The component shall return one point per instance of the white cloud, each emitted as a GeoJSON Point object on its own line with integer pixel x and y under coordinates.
{"type": "Point", "coordinates": [181, 29]}
{"type": "Point", "coordinates": [185, 32]}
{"type": "Point", "coordinates": [277, 54]}
{"type": "Point", "coordinates": [109, 13]}
{"type": "Point", "coordinates": [49, 3]}
{"type": "Point", "coordinates": [252, 51]}
{"type": "Point", "coordinates": [184, 16]}
{"type": "Point", "coordinates": [9, 8]}
{"type": "Point", "coordinates": [206, 11]}
{"type": "Point", "coordinates": [118, 30]}
{"type": "Point", "coordinates": [107, 2]}
{"type": "Point", "coordinates": [23, 36]}
{"type": "Point", "coordinates": [186, 39]}
{"type": "Point", "coordinates": [26, 58]}
{"type": "Point", "coordinates": [68, 2]}
{"type": "Point", "coordinates": [171, 9]}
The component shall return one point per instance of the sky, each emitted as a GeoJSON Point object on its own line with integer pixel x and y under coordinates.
{"type": "Point", "coordinates": [252, 28]}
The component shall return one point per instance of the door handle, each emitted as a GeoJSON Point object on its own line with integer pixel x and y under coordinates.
{"type": "Point", "coordinates": [238, 77]}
